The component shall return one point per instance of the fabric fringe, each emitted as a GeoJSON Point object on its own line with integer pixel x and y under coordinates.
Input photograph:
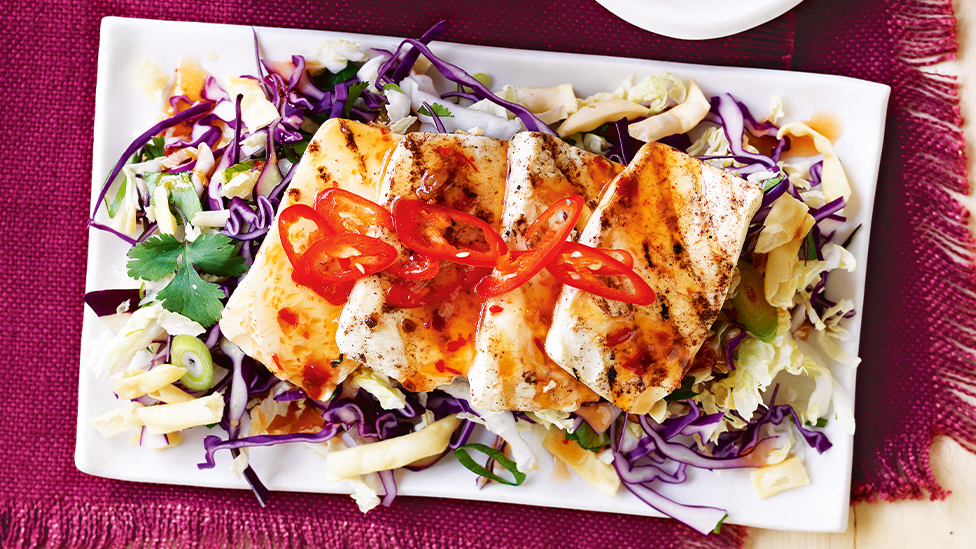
{"type": "Point", "coordinates": [940, 257]}
{"type": "Point", "coordinates": [71, 524]}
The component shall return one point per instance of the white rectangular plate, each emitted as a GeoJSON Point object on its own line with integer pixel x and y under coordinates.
{"type": "Point", "coordinates": [122, 112]}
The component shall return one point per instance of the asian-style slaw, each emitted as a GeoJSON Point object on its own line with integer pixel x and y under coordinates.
{"type": "Point", "coordinates": [196, 193]}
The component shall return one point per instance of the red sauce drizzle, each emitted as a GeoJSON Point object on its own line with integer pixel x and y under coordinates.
{"type": "Point", "coordinates": [495, 309]}
{"type": "Point", "coordinates": [277, 362]}
{"type": "Point", "coordinates": [287, 317]}
{"type": "Point", "coordinates": [540, 345]}
{"type": "Point", "coordinates": [619, 337]}
{"type": "Point", "coordinates": [705, 359]}
{"type": "Point", "coordinates": [453, 346]}
{"type": "Point", "coordinates": [626, 191]}
{"type": "Point", "coordinates": [436, 322]}
{"type": "Point", "coordinates": [455, 156]}
{"type": "Point", "coordinates": [639, 362]}
{"type": "Point", "coordinates": [315, 376]}
{"type": "Point", "coordinates": [443, 368]}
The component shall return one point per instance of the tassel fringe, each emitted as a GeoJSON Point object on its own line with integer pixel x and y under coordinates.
{"type": "Point", "coordinates": [939, 254]}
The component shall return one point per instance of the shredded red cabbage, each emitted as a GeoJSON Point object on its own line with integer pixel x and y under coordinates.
{"type": "Point", "coordinates": [437, 120]}
{"type": "Point", "coordinates": [459, 76]}
{"type": "Point", "coordinates": [108, 302]}
{"type": "Point", "coordinates": [637, 478]}
{"type": "Point", "coordinates": [134, 147]}
{"type": "Point", "coordinates": [731, 346]}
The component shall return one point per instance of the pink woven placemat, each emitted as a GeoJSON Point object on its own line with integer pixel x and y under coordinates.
{"type": "Point", "coordinates": [49, 50]}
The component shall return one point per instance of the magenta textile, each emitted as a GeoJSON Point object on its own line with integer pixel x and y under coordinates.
{"type": "Point", "coordinates": [917, 341]}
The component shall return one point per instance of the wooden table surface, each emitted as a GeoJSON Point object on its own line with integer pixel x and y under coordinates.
{"type": "Point", "coordinates": [922, 523]}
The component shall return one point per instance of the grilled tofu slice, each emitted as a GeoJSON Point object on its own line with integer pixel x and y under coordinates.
{"type": "Point", "coordinates": [511, 370]}
{"type": "Point", "coordinates": [286, 326]}
{"type": "Point", "coordinates": [430, 345]}
{"type": "Point", "coordinates": [685, 222]}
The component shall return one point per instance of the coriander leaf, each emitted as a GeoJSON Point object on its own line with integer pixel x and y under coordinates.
{"type": "Point", "coordinates": [354, 92]}
{"type": "Point", "coordinates": [587, 438]}
{"type": "Point", "coordinates": [683, 392]}
{"type": "Point", "coordinates": [193, 297]}
{"type": "Point", "coordinates": [155, 257]}
{"type": "Point", "coordinates": [215, 254]}
{"type": "Point", "coordinates": [439, 110]}
{"type": "Point", "coordinates": [392, 86]}
{"type": "Point", "coordinates": [328, 80]}
{"type": "Point", "coordinates": [153, 149]}
{"type": "Point", "coordinates": [180, 192]}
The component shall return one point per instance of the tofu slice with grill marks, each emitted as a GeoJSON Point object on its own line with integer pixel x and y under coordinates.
{"type": "Point", "coordinates": [431, 345]}
{"type": "Point", "coordinates": [685, 223]}
{"type": "Point", "coordinates": [286, 326]}
{"type": "Point", "coordinates": [511, 370]}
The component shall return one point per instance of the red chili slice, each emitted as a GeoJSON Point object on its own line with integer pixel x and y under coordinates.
{"type": "Point", "coordinates": [626, 257]}
{"type": "Point", "coordinates": [343, 257]}
{"type": "Point", "coordinates": [515, 269]}
{"type": "Point", "coordinates": [582, 266]}
{"type": "Point", "coordinates": [347, 212]}
{"type": "Point", "coordinates": [417, 267]}
{"type": "Point", "coordinates": [291, 217]}
{"type": "Point", "coordinates": [406, 294]}
{"type": "Point", "coordinates": [440, 232]}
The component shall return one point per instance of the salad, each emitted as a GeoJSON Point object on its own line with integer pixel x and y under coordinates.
{"type": "Point", "coordinates": [196, 194]}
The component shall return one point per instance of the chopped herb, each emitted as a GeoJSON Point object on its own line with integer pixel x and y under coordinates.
{"type": "Point", "coordinates": [153, 149]}
{"type": "Point", "coordinates": [187, 294]}
{"type": "Point", "coordinates": [465, 459]}
{"type": "Point", "coordinates": [439, 110]}
{"type": "Point", "coordinates": [392, 86]}
{"type": "Point", "coordinates": [683, 392]}
{"type": "Point", "coordinates": [355, 91]}
{"type": "Point", "coordinates": [588, 439]}
{"type": "Point", "coordinates": [180, 191]}
{"type": "Point", "coordinates": [328, 80]}
{"type": "Point", "coordinates": [193, 297]}
{"type": "Point", "coordinates": [821, 423]}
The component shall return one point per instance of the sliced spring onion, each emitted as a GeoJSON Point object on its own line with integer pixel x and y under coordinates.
{"type": "Point", "coordinates": [193, 354]}
{"type": "Point", "coordinates": [465, 459]}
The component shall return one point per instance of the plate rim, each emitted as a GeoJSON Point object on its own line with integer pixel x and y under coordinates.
{"type": "Point", "coordinates": [692, 21]}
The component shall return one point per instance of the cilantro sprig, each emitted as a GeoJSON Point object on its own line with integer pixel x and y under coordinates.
{"type": "Point", "coordinates": [588, 439]}
{"type": "Point", "coordinates": [439, 110]}
{"type": "Point", "coordinates": [187, 294]}
{"type": "Point", "coordinates": [684, 392]}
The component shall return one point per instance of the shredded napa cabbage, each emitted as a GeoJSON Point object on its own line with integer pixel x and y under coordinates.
{"type": "Point", "coordinates": [333, 56]}
{"type": "Point", "coordinates": [658, 92]}
{"type": "Point", "coordinates": [380, 386]}
{"type": "Point", "coordinates": [757, 365]}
